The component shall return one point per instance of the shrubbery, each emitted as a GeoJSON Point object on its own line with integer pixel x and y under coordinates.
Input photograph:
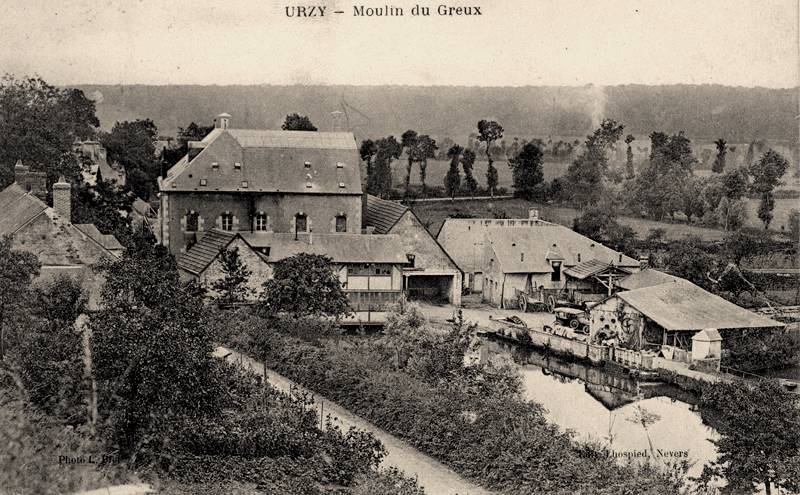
{"type": "Point", "coordinates": [414, 384]}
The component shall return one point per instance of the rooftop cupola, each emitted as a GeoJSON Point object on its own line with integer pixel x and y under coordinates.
{"type": "Point", "coordinates": [222, 121]}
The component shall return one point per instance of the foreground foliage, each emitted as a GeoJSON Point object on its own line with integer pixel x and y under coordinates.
{"type": "Point", "coordinates": [413, 383]}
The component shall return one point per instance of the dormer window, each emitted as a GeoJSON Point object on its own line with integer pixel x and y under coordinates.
{"type": "Point", "coordinates": [214, 164]}
{"type": "Point", "coordinates": [244, 184]}
{"type": "Point", "coordinates": [308, 185]}
{"type": "Point", "coordinates": [203, 182]}
{"type": "Point", "coordinates": [341, 185]}
{"type": "Point", "coordinates": [237, 165]}
{"type": "Point", "coordinates": [339, 165]}
{"type": "Point", "coordinates": [307, 164]}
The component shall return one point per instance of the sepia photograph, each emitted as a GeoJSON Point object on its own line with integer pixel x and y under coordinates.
{"type": "Point", "coordinates": [400, 247]}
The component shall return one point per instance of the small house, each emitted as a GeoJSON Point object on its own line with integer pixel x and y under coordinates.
{"type": "Point", "coordinates": [431, 274]}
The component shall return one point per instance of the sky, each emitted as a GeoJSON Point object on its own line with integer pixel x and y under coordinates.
{"type": "Point", "coordinates": [513, 43]}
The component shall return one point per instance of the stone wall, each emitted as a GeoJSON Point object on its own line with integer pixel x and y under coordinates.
{"type": "Point", "coordinates": [321, 210]}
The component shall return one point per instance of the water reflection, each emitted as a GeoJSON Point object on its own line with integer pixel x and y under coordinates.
{"type": "Point", "coordinates": [634, 419]}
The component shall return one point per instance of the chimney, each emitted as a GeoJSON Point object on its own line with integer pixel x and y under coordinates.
{"type": "Point", "coordinates": [310, 236]}
{"type": "Point", "coordinates": [222, 121]}
{"type": "Point", "coordinates": [533, 214]}
{"type": "Point", "coordinates": [337, 121]}
{"type": "Point", "coordinates": [369, 230]}
{"type": "Point", "coordinates": [644, 261]}
{"type": "Point", "coordinates": [62, 202]}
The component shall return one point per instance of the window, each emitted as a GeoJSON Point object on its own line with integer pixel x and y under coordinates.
{"type": "Point", "coordinates": [261, 222]}
{"type": "Point", "coordinates": [307, 164]}
{"type": "Point", "coordinates": [203, 182]}
{"type": "Point", "coordinates": [192, 221]}
{"type": "Point", "coordinates": [341, 223]}
{"type": "Point", "coordinates": [368, 269]}
{"type": "Point", "coordinates": [244, 184]}
{"type": "Point", "coordinates": [521, 257]}
{"type": "Point", "coordinates": [227, 221]}
{"type": "Point", "coordinates": [556, 275]}
{"type": "Point", "coordinates": [300, 222]}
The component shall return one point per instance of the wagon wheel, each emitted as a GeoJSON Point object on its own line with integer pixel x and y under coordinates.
{"type": "Point", "coordinates": [585, 329]}
{"type": "Point", "coordinates": [551, 303]}
{"type": "Point", "coordinates": [573, 324]}
{"type": "Point", "coordinates": [523, 303]}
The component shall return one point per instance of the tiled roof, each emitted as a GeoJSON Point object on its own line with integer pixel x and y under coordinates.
{"type": "Point", "coordinates": [247, 160]}
{"type": "Point", "coordinates": [108, 241]}
{"type": "Point", "coordinates": [18, 207]}
{"type": "Point", "coordinates": [681, 305]}
{"type": "Point", "coordinates": [383, 214]}
{"type": "Point", "coordinates": [647, 278]}
{"type": "Point", "coordinates": [588, 268]}
{"type": "Point", "coordinates": [527, 250]}
{"type": "Point", "coordinates": [205, 251]}
{"type": "Point", "coordinates": [341, 248]}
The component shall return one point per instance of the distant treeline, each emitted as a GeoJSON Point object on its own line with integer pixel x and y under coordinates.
{"type": "Point", "coordinates": [701, 111]}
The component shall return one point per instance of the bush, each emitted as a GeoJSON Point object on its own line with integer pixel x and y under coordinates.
{"type": "Point", "coordinates": [472, 418]}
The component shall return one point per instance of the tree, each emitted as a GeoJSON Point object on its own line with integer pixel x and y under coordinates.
{"type": "Point", "coordinates": [526, 168]}
{"type": "Point", "coordinates": [490, 131]}
{"type": "Point", "coordinates": [691, 192]}
{"type": "Point", "coordinates": [39, 124]}
{"type": "Point", "coordinates": [687, 259]}
{"type": "Point", "coordinates": [145, 386]}
{"type": "Point", "coordinates": [719, 161]}
{"type": "Point", "coordinates": [132, 145]}
{"type": "Point", "coordinates": [731, 214]}
{"type": "Point", "coordinates": [765, 207]}
{"type": "Point", "coordinates": [379, 182]}
{"type": "Point", "coordinates": [297, 122]}
{"type": "Point", "coordinates": [759, 440]}
{"type": "Point", "coordinates": [192, 132]}
{"type": "Point", "coordinates": [735, 183]}
{"type": "Point", "coordinates": [305, 285]}
{"type": "Point", "coordinates": [104, 205]}
{"type": "Point", "coordinates": [452, 181]}
{"type": "Point", "coordinates": [630, 171]}
{"type": "Point", "coordinates": [232, 288]}
{"type": "Point", "coordinates": [467, 163]}
{"type": "Point", "coordinates": [17, 270]}
{"type": "Point", "coordinates": [367, 151]}
{"type": "Point", "coordinates": [427, 149]}
{"type": "Point", "coordinates": [408, 140]}
{"type": "Point", "coordinates": [794, 224]}
{"type": "Point", "coordinates": [584, 177]}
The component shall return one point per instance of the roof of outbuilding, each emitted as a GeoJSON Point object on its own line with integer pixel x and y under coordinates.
{"type": "Point", "coordinates": [270, 161]}
{"type": "Point", "coordinates": [588, 268]}
{"type": "Point", "coordinates": [19, 207]}
{"type": "Point", "coordinates": [205, 251]}
{"type": "Point", "coordinates": [528, 249]}
{"type": "Point", "coordinates": [108, 241]}
{"type": "Point", "coordinates": [341, 248]}
{"type": "Point", "coordinates": [647, 278]}
{"type": "Point", "coordinates": [681, 305]}
{"type": "Point", "coordinates": [383, 214]}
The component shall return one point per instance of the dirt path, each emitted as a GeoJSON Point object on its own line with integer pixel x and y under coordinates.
{"type": "Point", "coordinates": [434, 476]}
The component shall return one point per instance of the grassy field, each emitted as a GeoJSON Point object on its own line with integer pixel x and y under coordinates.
{"type": "Point", "coordinates": [437, 169]}
{"type": "Point", "coordinates": [434, 214]}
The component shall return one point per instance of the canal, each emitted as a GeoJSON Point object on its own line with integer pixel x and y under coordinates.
{"type": "Point", "coordinates": [608, 407]}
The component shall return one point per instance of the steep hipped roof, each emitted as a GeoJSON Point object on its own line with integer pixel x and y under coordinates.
{"type": "Point", "coordinates": [341, 248]}
{"type": "Point", "coordinates": [251, 160]}
{"type": "Point", "coordinates": [205, 251]}
{"type": "Point", "coordinates": [383, 214]}
{"type": "Point", "coordinates": [18, 208]}
{"type": "Point", "coordinates": [647, 278]}
{"type": "Point", "coordinates": [586, 269]}
{"type": "Point", "coordinates": [528, 250]}
{"type": "Point", "coordinates": [681, 305]}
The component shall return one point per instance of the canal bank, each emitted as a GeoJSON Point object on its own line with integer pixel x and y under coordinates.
{"type": "Point", "coordinates": [601, 404]}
